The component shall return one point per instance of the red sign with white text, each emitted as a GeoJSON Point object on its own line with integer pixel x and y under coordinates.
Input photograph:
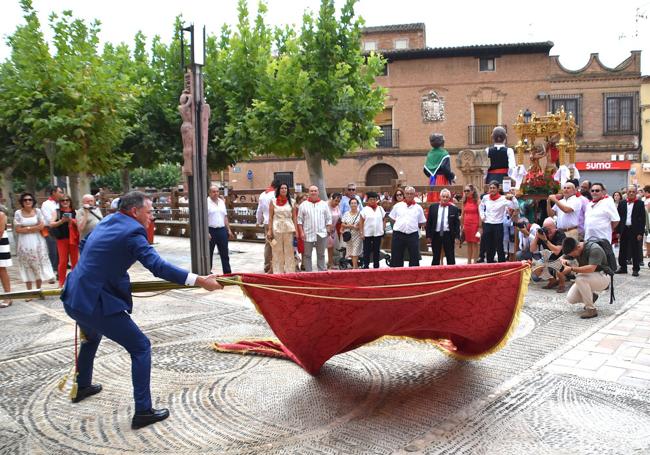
{"type": "Point", "coordinates": [603, 165]}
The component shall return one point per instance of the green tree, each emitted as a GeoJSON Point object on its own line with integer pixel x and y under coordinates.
{"type": "Point", "coordinates": [236, 67]}
{"type": "Point", "coordinates": [318, 100]}
{"type": "Point", "coordinates": [71, 99]}
{"type": "Point", "coordinates": [23, 95]}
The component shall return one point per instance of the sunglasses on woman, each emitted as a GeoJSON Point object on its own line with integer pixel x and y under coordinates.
{"type": "Point", "coordinates": [28, 199]}
{"type": "Point", "coordinates": [399, 195]}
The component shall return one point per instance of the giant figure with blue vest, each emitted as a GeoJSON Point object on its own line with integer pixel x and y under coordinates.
{"type": "Point", "coordinates": [97, 295]}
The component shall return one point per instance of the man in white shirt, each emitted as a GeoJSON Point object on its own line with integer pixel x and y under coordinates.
{"type": "Point", "coordinates": [49, 208]}
{"type": "Point", "coordinates": [567, 209]}
{"type": "Point", "coordinates": [492, 212]}
{"type": "Point", "coordinates": [263, 203]}
{"type": "Point", "coordinates": [601, 215]}
{"type": "Point", "coordinates": [527, 233]}
{"type": "Point", "coordinates": [314, 226]}
{"type": "Point", "coordinates": [408, 217]}
{"type": "Point", "coordinates": [219, 228]}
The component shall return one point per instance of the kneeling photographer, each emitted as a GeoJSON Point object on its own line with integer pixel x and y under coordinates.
{"type": "Point", "coordinates": [527, 233]}
{"type": "Point", "coordinates": [550, 238]}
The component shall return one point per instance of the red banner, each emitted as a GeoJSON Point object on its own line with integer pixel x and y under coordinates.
{"type": "Point", "coordinates": [603, 165]}
{"type": "Point", "coordinates": [467, 311]}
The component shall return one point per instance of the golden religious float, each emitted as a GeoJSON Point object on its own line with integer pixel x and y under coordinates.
{"type": "Point", "coordinates": [558, 133]}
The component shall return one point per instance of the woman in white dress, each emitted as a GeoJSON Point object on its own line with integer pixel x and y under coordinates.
{"type": "Point", "coordinates": [5, 258]}
{"type": "Point", "coordinates": [31, 250]}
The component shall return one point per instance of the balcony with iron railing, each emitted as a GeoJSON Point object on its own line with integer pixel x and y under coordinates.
{"type": "Point", "coordinates": [481, 134]}
{"type": "Point", "coordinates": [390, 138]}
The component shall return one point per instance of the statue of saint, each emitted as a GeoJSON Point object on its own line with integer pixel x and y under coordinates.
{"type": "Point", "coordinates": [187, 130]}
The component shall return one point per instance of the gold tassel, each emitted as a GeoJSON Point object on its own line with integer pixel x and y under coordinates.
{"type": "Point", "coordinates": [62, 382]}
{"type": "Point", "coordinates": [75, 387]}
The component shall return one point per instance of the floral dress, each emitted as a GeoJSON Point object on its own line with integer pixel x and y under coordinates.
{"type": "Point", "coordinates": [31, 250]}
{"type": "Point", "coordinates": [353, 246]}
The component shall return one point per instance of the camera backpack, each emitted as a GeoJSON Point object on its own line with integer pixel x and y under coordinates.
{"type": "Point", "coordinates": [610, 268]}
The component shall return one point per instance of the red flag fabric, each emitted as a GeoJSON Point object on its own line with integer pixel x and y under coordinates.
{"type": "Point", "coordinates": [466, 311]}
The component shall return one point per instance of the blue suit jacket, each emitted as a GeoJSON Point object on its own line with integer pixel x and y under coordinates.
{"type": "Point", "coordinates": [100, 277]}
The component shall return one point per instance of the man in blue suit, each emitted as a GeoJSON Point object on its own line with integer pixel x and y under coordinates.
{"type": "Point", "coordinates": [97, 295]}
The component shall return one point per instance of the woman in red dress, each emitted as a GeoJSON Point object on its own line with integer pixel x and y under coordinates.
{"type": "Point", "coordinates": [470, 222]}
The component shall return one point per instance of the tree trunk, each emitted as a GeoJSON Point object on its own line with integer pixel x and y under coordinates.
{"type": "Point", "coordinates": [125, 176]}
{"type": "Point", "coordinates": [79, 185]}
{"type": "Point", "coordinates": [8, 190]}
{"type": "Point", "coordinates": [30, 183]}
{"type": "Point", "coordinates": [73, 191]}
{"type": "Point", "coordinates": [315, 169]}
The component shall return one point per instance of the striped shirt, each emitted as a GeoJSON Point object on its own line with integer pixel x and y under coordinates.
{"type": "Point", "coordinates": [5, 253]}
{"type": "Point", "coordinates": [314, 219]}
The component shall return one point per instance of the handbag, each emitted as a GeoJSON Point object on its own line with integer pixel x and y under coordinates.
{"type": "Point", "coordinates": [347, 235]}
{"type": "Point", "coordinates": [45, 233]}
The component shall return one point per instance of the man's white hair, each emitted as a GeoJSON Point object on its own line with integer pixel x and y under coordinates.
{"type": "Point", "coordinates": [445, 191]}
{"type": "Point", "coordinates": [409, 188]}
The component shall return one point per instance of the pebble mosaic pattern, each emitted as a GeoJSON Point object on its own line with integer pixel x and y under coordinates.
{"type": "Point", "coordinates": [394, 396]}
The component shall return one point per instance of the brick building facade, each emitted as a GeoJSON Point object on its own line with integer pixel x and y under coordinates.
{"type": "Point", "coordinates": [463, 92]}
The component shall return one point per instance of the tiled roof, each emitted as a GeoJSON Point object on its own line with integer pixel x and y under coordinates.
{"type": "Point", "coordinates": [394, 28]}
{"type": "Point", "coordinates": [492, 50]}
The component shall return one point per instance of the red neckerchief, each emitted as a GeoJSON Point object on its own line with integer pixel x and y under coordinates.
{"type": "Point", "coordinates": [269, 189]}
{"type": "Point", "coordinates": [495, 197]}
{"type": "Point", "coordinates": [636, 198]}
{"type": "Point", "coordinates": [593, 204]}
{"type": "Point", "coordinates": [280, 200]}
{"type": "Point", "coordinates": [372, 206]}
{"type": "Point", "coordinates": [410, 203]}
{"type": "Point", "coordinates": [314, 202]}
{"type": "Point", "coordinates": [52, 199]}
{"type": "Point", "coordinates": [445, 204]}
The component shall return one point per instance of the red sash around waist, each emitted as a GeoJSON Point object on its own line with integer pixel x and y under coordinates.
{"type": "Point", "coordinates": [498, 171]}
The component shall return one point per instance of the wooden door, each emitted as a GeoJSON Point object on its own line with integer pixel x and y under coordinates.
{"type": "Point", "coordinates": [486, 117]}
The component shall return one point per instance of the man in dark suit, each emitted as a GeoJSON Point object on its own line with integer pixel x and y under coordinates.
{"type": "Point", "coordinates": [443, 227]}
{"type": "Point", "coordinates": [97, 295]}
{"type": "Point", "coordinates": [631, 228]}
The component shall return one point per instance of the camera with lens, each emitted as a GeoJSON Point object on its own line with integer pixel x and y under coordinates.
{"type": "Point", "coordinates": [521, 224]}
{"type": "Point", "coordinates": [543, 231]}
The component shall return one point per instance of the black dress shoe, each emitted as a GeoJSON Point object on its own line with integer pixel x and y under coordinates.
{"type": "Point", "coordinates": [85, 392]}
{"type": "Point", "coordinates": [635, 273]}
{"type": "Point", "coordinates": [144, 418]}
{"type": "Point", "coordinates": [621, 271]}
{"type": "Point", "coordinates": [480, 261]}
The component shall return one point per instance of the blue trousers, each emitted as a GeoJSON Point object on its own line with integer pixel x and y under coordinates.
{"type": "Point", "coordinates": [120, 328]}
{"type": "Point", "coordinates": [219, 238]}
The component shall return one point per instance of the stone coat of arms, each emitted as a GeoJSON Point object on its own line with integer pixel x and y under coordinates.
{"type": "Point", "coordinates": [433, 107]}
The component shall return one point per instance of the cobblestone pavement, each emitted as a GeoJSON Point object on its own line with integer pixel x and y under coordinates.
{"type": "Point", "coordinates": [561, 385]}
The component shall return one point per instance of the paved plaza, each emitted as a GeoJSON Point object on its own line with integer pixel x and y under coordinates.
{"type": "Point", "coordinates": [561, 385]}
